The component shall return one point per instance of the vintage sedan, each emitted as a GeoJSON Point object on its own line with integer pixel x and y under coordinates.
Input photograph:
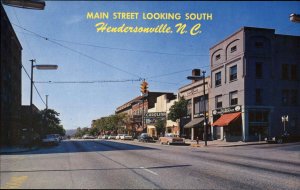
{"type": "Point", "coordinates": [51, 139]}
{"type": "Point", "coordinates": [170, 138]}
{"type": "Point", "coordinates": [144, 137]}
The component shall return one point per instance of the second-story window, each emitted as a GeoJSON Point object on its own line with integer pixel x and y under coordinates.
{"type": "Point", "coordinates": [233, 49]}
{"type": "Point", "coordinates": [285, 97]}
{"type": "Point", "coordinates": [189, 107]}
{"type": "Point", "coordinates": [219, 101]}
{"type": "Point", "coordinates": [218, 79]}
{"type": "Point", "coordinates": [294, 97]}
{"type": "Point", "coordinates": [294, 72]}
{"type": "Point", "coordinates": [285, 71]}
{"type": "Point", "coordinates": [258, 96]}
{"type": "Point", "coordinates": [259, 44]}
{"type": "Point", "coordinates": [258, 70]}
{"type": "Point", "coordinates": [233, 73]}
{"type": "Point", "coordinates": [233, 96]}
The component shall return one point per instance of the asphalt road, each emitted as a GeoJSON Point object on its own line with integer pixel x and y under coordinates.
{"type": "Point", "coordinates": [97, 164]}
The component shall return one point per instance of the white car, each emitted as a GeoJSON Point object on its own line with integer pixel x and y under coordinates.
{"type": "Point", "coordinates": [126, 137]}
{"type": "Point", "coordinates": [51, 139]}
{"type": "Point", "coordinates": [118, 137]}
{"type": "Point", "coordinates": [112, 137]}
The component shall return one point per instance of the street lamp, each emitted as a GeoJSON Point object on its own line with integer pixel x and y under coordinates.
{"type": "Point", "coordinates": [40, 67]}
{"type": "Point", "coordinates": [295, 18]}
{"type": "Point", "coordinates": [197, 78]}
{"type": "Point", "coordinates": [27, 4]}
{"type": "Point", "coordinates": [284, 119]}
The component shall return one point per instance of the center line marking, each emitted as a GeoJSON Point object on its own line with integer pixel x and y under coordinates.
{"type": "Point", "coordinates": [149, 170]}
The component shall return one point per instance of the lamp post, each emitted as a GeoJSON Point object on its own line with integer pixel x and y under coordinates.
{"type": "Point", "coordinates": [40, 67]}
{"type": "Point", "coordinates": [284, 119]}
{"type": "Point", "coordinates": [27, 4]}
{"type": "Point", "coordinates": [295, 18]}
{"type": "Point", "coordinates": [197, 78]}
{"type": "Point", "coordinates": [47, 102]}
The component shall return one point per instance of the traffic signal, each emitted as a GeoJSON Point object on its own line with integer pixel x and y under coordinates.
{"type": "Point", "coordinates": [144, 87]}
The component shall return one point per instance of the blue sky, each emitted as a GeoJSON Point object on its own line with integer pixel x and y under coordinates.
{"type": "Point", "coordinates": [79, 104]}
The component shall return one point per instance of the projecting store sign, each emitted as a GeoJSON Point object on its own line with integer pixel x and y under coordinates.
{"type": "Point", "coordinates": [226, 110]}
{"type": "Point", "coordinates": [155, 115]}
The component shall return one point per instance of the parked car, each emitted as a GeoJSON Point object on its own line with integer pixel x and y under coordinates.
{"type": "Point", "coordinates": [111, 137]}
{"type": "Point", "coordinates": [118, 137]}
{"type": "Point", "coordinates": [126, 137]}
{"type": "Point", "coordinates": [144, 137]}
{"type": "Point", "coordinates": [51, 139]}
{"type": "Point", "coordinates": [88, 137]}
{"type": "Point", "coordinates": [170, 138]}
{"type": "Point", "coordinates": [58, 137]}
{"type": "Point", "coordinates": [284, 138]}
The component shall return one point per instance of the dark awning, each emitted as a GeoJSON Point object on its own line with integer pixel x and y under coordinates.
{"type": "Point", "coordinates": [226, 119]}
{"type": "Point", "coordinates": [194, 122]}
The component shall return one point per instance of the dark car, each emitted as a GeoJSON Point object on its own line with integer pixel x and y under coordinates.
{"type": "Point", "coordinates": [144, 137]}
{"type": "Point", "coordinates": [284, 138]}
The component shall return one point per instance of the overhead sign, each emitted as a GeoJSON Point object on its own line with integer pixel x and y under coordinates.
{"type": "Point", "coordinates": [155, 115]}
{"type": "Point", "coordinates": [226, 110]}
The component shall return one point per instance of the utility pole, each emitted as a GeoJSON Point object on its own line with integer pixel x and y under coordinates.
{"type": "Point", "coordinates": [204, 109]}
{"type": "Point", "coordinates": [47, 102]}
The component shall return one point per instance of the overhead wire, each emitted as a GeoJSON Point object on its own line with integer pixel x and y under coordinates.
{"type": "Point", "coordinates": [78, 52]}
{"type": "Point", "coordinates": [32, 56]}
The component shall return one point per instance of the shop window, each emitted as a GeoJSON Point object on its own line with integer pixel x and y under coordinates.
{"type": "Point", "coordinates": [285, 71]}
{"type": "Point", "coordinates": [233, 73]}
{"type": "Point", "coordinates": [258, 70]}
{"type": "Point", "coordinates": [218, 79]}
{"type": "Point", "coordinates": [233, 98]}
{"type": "Point", "coordinates": [218, 101]}
{"type": "Point", "coordinates": [258, 96]}
{"type": "Point", "coordinates": [294, 72]}
{"type": "Point", "coordinates": [261, 116]}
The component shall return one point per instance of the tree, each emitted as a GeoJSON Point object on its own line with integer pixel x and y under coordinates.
{"type": "Point", "coordinates": [178, 110]}
{"type": "Point", "coordinates": [51, 123]}
{"type": "Point", "coordinates": [160, 126]}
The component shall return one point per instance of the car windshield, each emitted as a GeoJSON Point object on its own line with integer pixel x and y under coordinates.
{"type": "Point", "coordinates": [169, 135]}
{"type": "Point", "coordinates": [50, 136]}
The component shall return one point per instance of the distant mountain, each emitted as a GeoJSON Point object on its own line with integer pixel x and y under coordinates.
{"type": "Point", "coordinates": [70, 132]}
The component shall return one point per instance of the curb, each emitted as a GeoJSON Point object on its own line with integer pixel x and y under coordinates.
{"type": "Point", "coordinates": [21, 151]}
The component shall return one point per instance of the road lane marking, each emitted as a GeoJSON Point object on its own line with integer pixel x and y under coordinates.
{"type": "Point", "coordinates": [15, 182]}
{"type": "Point", "coordinates": [149, 170]}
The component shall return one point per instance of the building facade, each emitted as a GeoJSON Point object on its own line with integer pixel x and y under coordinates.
{"type": "Point", "coordinates": [192, 126]}
{"type": "Point", "coordinates": [161, 108]}
{"type": "Point", "coordinates": [254, 82]}
{"type": "Point", "coordinates": [137, 108]}
{"type": "Point", "coordinates": [11, 52]}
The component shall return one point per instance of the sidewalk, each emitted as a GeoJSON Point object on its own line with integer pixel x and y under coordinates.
{"type": "Point", "coordinates": [221, 143]}
{"type": "Point", "coordinates": [15, 149]}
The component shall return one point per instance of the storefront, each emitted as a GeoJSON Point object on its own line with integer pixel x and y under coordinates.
{"type": "Point", "coordinates": [227, 124]}
{"type": "Point", "coordinates": [194, 129]}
